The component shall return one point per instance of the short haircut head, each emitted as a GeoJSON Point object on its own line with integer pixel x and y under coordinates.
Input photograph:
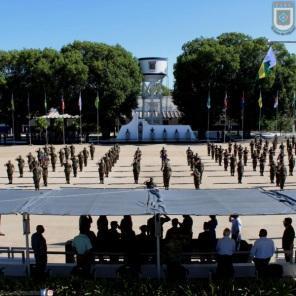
{"type": "Point", "coordinates": [226, 232]}
{"type": "Point", "coordinates": [263, 233]}
{"type": "Point", "coordinates": [288, 220]}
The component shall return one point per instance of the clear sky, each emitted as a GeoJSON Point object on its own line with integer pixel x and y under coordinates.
{"type": "Point", "coordinates": [145, 28]}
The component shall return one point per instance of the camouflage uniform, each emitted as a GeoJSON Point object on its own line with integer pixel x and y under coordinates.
{"type": "Point", "coordinates": [67, 170]}
{"type": "Point", "coordinates": [74, 165]}
{"type": "Point", "coordinates": [92, 149]}
{"type": "Point", "coordinates": [37, 172]}
{"type": "Point", "coordinates": [21, 165]}
{"type": "Point", "coordinates": [167, 172]}
{"type": "Point", "coordinates": [10, 171]}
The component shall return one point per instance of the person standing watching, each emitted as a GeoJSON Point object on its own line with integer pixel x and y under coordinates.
{"type": "Point", "coordinates": [262, 251]}
{"type": "Point", "coordinates": [39, 247]}
{"type": "Point", "coordinates": [225, 250]}
{"type": "Point", "coordinates": [236, 228]}
{"type": "Point", "coordinates": [288, 239]}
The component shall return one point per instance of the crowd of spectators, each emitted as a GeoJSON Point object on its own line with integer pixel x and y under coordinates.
{"type": "Point", "coordinates": [176, 244]}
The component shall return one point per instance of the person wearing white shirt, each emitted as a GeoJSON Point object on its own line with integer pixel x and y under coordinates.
{"type": "Point", "coordinates": [262, 250]}
{"type": "Point", "coordinates": [225, 249]}
{"type": "Point", "coordinates": [236, 229]}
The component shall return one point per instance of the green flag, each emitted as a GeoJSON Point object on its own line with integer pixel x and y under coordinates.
{"type": "Point", "coordinates": [12, 102]}
{"type": "Point", "coordinates": [260, 102]}
{"type": "Point", "coordinates": [97, 101]}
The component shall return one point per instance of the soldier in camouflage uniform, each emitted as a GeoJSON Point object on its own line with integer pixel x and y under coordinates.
{"type": "Point", "coordinates": [62, 156]}
{"type": "Point", "coordinates": [261, 164]}
{"type": "Point", "coordinates": [92, 149]}
{"type": "Point", "coordinates": [37, 172]}
{"type": "Point", "coordinates": [67, 170]}
{"type": "Point", "coordinates": [232, 164]}
{"type": "Point", "coordinates": [53, 159]}
{"type": "Point", "coordinates": [291, 164]}
{"type": "Point", "coordinates": [44, 167]}
{"type": "Point", "coordinates": [85, 156]}
{"type": "Point", "coordinates": [136, 169]}
{"type": "Point", "coordinates": [80, 161]}
{"type": "Point", "coordinates": [101, 170]}
{"type": "Point", "coordinates": [200, 167]}
{"type": "Point", "coordinates": [10, 171]}
{"type": "Point", "coordinates": [254, 160]}
{"type": "Point", "coordinates": [166, 172]}
{"type": "Point", "coordinates": [226, 160]}
{"type": "Point", "coordinates": [272, 171]}
{"type": "Point", "coordinates": [21, 165]}
{"type": "Point", "coordinates": [67, 152]}
{"type": "Point", "coordinates": [240, 171]}
{"type": "Point", "coordinates": [196, 178]}
{"type": "Point", "coordinates": [245, 152]}
{"type": "Point", "coordinates": [282, 175]}
{"type": "Point", "coordinates": [72, 151]}
{"type": "Point", "coordinates": [75, 164]}
{"type": "Point", "coordinates": [30, 159]}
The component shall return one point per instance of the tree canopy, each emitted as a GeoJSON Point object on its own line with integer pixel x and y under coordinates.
{"type": "Point", "coordinates": [87, 67]}
{"type": "Point", "coordinates": [230, 63]}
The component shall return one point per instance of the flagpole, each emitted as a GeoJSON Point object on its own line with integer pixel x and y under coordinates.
{"type": "Point", "coordinates": [12, 118]}
{"type": "Point", "coordinates": [225, 125]}
{"type": "Point", "coordinates": [208, 134]}
{"type": "Point", "coordinates": [29, 119]}
{"type": "Point", "coordinates": [243, 114]}
{"type": "Point", "coordinates": [63, 110]}
{"type": "Point", "coordinates": [80, 107]}
{"type": "Point", "coordinates": [45, 107]}
{"type": "Point", "coordinates": [260, 120]}
{"type": "Point", "coordinates": [98, 120]}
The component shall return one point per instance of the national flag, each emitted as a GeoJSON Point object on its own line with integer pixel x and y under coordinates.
{"type": "Point", "coordinates": [97, 102]}
{"type": "Point", "coordinates": [63, 104]}
{"type": "Point", "coordinates": [268, 63]}
{"type": "Point", "coordinates": [80, 102]}
{"type": "Point", "coordinates": [260, 102]}
{"type": "Point", "coordinates": [45, 103]}
{"type": "Point", "coordinates": [225, 101]}
{"type": "Point", "coordinates": [276, 101]}
{"type": "Point", "coordinates": [209, 101]}
{"type": "Point", "coordinates": [12, 102]}
{"type": "Point", "coordinates": [243, 101]}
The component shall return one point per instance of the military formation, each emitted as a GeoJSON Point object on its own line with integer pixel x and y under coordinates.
{"type": "Point", "coordinates": [107, 162]}
{"type": "Point", "coordinates": [196, 165]}
{"type": "Point", "coordinates": [39, 164]}
{"type": "Point", "coordinates": [236, 156]}
{"type": "Point", "coordinates": [263, 156]}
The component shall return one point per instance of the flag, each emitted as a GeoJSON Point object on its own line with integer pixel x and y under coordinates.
{"type": "Point", "coordinates": [63, 104]}
{"type": "Point", "coordinates": [209, 101]}
{"type": "Point", "coordinates": [97, 101]}
{"type": "Point", "coordinates": [80, 102]}
{"type": "Point", "coordinates": [12, 102]}
{"type": "Point", "coordinates": [45, 103]}
{"type": "Point", "coordinates": [276, 101]}
{"type": "Point", "coordinates": [243, 101]}
{"type": "Point", "coordinates": [225, 101]}
{"type": "Point", "coordinates": [268, 63]}
{"type": "Point", "coordinates": [260, 103]}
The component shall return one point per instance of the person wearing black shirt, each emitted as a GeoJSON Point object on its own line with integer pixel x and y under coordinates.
{"type": "Point", "coordinates": [288, 239]}
{"type": "Point", "coordinates": [39, 247]}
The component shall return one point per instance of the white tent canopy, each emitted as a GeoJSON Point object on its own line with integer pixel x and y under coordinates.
{"type": "Point", "coordinates": [54, 114]}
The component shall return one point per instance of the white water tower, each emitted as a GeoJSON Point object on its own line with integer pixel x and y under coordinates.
{"type": "Point", "coordinates": [154, 70]}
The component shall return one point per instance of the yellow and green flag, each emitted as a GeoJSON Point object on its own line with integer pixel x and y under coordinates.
{"type": "Point", "coordinates": [268, 63]}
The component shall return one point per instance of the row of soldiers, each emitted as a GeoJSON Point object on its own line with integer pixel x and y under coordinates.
{"type": "Point", "coordinates": [107, 162]}
{"type": "Point", "coordinates": [218, 154]}
{"type": "Point", "coordinates": [259, 150]}
{"type": "Point", "coordinates": [196, 166]}
{"type": "Point", "coordinates": [165, 168]}
{"type": "Point", "coordinates": [39, 166]}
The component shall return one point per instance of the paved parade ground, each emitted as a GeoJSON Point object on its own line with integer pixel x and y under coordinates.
{"type": "Point", "coordinates": [60, 229]}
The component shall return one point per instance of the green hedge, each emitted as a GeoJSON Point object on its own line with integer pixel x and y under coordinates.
{"type": "Point", "coordinates": [74, 286]}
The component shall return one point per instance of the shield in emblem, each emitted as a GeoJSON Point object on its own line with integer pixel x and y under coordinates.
{"type": "Point", "coordinates": [283, 17]}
